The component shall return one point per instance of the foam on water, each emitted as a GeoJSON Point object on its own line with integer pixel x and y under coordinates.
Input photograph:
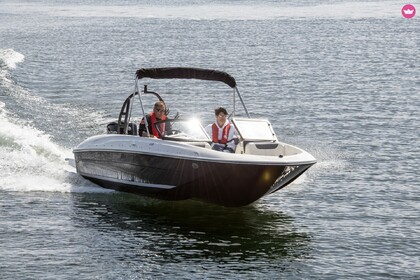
{"type": "Point", "coordinates": [30, 161]}
{"type": "Point", "coordinates": [9, 58]}
{"type": "Point", "coordinates": [29, 107]}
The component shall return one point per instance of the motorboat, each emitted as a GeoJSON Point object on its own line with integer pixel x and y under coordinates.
{"type": "Point", "coordinates": [181, 163]}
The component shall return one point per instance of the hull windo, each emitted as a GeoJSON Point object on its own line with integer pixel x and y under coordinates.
{"type": "Point", "coordinates": [182, 164]}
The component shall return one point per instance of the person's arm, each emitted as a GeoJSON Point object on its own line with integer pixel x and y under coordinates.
{"type": "Point", "coordinates": [231, 138]}
{"type": "Point", "coordinates": [142, 127]}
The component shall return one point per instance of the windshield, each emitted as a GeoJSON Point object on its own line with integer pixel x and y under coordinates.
{"type": "Point", "coordinates": [182, 130]}
{"type": "Point", "coordinates": [255, 129]}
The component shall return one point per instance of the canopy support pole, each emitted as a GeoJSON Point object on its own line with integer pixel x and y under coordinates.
{"type": "Point", "coordinates": [141, 105]}
{"type": "Point", "coordinates": [242, 101]}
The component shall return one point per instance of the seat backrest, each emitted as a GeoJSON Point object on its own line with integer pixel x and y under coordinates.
{"type": "Point", "coordinates": [264, 148]}
{"type": "Point", "coordinates": [132, 129]}
{"type": "Point", "coordinates": [112, 128]}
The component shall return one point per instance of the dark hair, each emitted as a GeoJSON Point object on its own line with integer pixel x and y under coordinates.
{"type": "Point", "coordinates": [219, 110]}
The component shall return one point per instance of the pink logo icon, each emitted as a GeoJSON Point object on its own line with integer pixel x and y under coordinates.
{"type": "Point", "coordinates": [408, 11]}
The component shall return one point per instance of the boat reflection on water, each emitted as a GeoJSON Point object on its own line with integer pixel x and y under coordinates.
{"type": "Point", "coordinates": [192, 231]}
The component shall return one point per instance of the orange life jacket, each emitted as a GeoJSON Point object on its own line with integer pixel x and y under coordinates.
{"type": "Point", "coordinates": [225, 134]}
{"type": "Point", "coordinates": [153, 120]}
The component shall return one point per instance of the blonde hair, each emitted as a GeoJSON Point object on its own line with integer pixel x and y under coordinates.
{"type": "Point", "coordinates": [160, 104]}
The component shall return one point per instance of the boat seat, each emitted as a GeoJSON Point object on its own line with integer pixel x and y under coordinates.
{"type": "Point", "coordinates": [264, 148]}
{"type": "Point", "coordinates": [132, 129]}
{"type": "Point", "coordinates": [112, 128]}
{"type": "Point", "coordinates": [200, 144]}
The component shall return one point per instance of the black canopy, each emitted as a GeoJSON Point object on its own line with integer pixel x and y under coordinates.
{"type": "Point", "coordinates": [186, 73]}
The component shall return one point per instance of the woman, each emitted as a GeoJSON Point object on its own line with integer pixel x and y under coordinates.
{"type": "Point", "coordinates": [158, 114]}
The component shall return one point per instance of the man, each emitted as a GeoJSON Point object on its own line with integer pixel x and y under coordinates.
{"type": "Point", "coordinates": [222, 132]}
{"type": "Point", "coordinates": [158, 114]}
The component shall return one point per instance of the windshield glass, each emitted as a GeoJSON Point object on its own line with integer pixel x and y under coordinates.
{"type": "Point", "coordinates": [255, 129]}
{"type": "Point", "coordinates": [181, 129]}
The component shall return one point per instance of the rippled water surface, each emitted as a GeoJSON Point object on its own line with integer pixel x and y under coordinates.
{"type": "Point", "coordinates": [339, 79]}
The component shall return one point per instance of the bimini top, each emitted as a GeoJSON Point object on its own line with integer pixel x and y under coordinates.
{"type": "Point", "coordinates": [186, 73]}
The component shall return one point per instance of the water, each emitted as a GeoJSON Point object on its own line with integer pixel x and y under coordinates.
{"type": "Point", "coordinates": [340, 80]}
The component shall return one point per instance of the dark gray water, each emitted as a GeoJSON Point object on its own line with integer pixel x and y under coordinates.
{"type": "Point", "coordinates": [341, 80]}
